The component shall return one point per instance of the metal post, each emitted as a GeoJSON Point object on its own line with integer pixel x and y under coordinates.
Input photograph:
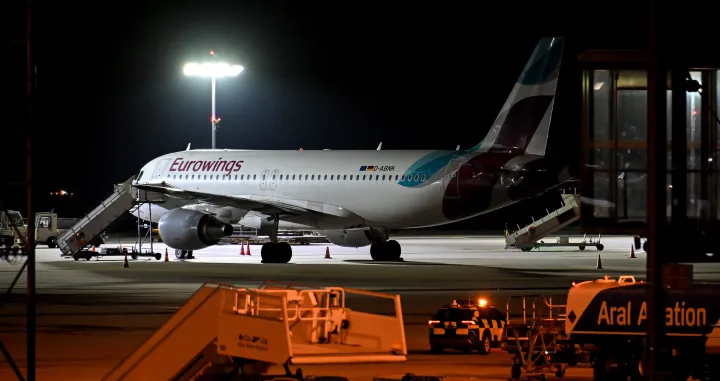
{"type": "Point", "coordinates": [152, 252]}
{"type": "Point", "coordinates": [139, 226]}
{"type": "Point", "coordinates": [30, 232]}
{"type": "Point", "coordinates": [213, 119]}
{"type": "Point", "coordinates": [656, 193]}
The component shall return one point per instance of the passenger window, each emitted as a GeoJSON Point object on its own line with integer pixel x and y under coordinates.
{"type": "Point", "coordinates": [377, 177]}
{"type": "Point", "coordinates": [293, 177]}
{"type": "Point", "coordinates": [205, 177]}
{"type": "Point", "coordinates": [331, 177]}
{"type": "Point", "coordinates": [312, 178]}
{"type": "Point", "coordinates": [281, 177]}
{"type": "Point", "coordinates": [273, 177]}
{"type": "Point", "coordinates": [351, 177]}
{"type": "Point", "coordinates": [325, 177]}
{"type": "Point", "coordinates": [383, 177]}
{"type": "Point", "coordinates": [402, 177]}
{"type": "Point", "coordinates": [338, 177]}
{"type": "Point", "coordinates": [264, 177]}
{"type": "Point", "coordinates": [254, 177]}
{"type": "Point", "coordinates": [241, 177]}
{"type": "Point", "coordinates": [423, 178]}
{"type": "Point", "coordinates": [364, 177]}
{"type": "Point", "coordinates": [344, 177]}
{"type": "Point", "coordinates": [306, 176]}
{"type": "Point", "coordinates": [416, 177]}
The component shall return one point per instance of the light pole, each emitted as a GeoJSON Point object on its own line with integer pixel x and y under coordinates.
{"type": "Point", "coordinates": [214, 70]}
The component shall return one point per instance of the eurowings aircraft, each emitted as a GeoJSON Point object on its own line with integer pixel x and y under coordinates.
{"type": "Point", "coordinates": [358, 198]}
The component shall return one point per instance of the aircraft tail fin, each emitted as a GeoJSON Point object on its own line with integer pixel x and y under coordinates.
{"type": "Point", "coordinates": [524, 120]}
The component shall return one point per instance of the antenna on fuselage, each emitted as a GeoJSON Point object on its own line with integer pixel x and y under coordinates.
{"type": "Point", "coordinates": [379, 146]}
{"type": "Point", "coordinates": [188, 147]}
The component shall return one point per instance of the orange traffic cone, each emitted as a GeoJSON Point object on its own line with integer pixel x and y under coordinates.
{"type": "Point", "coordinates": [166, 255]}
{"type": "Point", "coordinates": [248, 250]}
{"type": "Point", "coordinates": [126, 264]}
{"type": "Point", "coordinates": [327, 253]}
{"type": "Point", "coordinates": [632, 252]}
{"type": "Point", "coordinates": [242, 248]}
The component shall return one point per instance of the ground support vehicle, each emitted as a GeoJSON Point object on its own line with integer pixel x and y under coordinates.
{"type": "Point", "coordinates": [604, 323]}
{"type": "Point", "coordinates": [223, 331]}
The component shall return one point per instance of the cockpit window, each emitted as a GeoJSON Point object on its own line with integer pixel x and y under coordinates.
{"type": "Point", "coordinates": [139, 176]}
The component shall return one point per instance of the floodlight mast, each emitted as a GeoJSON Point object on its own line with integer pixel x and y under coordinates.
{"type": "Point", "coordinates": [213, 70]}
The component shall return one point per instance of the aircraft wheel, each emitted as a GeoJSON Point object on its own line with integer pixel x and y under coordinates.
{"type": "Point", "coordinates": [267, 252]}
{"type": "Point", "coordinates": [393, 250]}
{"type": "Point", "coordinates": [388, 251]}
{"type": "Point", "coordinates": [600, 247]}
{"type": "Point", "coordinates": [283, 252]}
{"type": "Point", "coordinates": [179, 254]}
{"type": "Point", "coordinates": [51, 242]}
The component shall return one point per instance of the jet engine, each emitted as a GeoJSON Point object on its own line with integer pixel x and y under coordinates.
{"type": "Point", "coordinates": [185, 229]}
{"type": "Point", "coordinates": [355, 237]}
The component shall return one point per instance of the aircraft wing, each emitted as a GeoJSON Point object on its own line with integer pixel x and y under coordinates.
{"type": "Point", "coordinates": [265, 206]}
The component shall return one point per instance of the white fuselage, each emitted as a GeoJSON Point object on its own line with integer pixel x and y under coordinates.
{"type": "Point", "coordinates": [391, 195]}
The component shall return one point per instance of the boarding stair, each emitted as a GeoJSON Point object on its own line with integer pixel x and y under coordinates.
{"type": "Point", "coordinates": [530, 236]}
{"type": "Point", "coordinates": [86, 229]}
{"type": "Point", "coordinates": [230, 332]}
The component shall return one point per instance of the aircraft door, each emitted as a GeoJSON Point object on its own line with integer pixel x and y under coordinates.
{"type": "Point", "coordinates": [264, 179]}
{"type": "Point", "coordinates": [451, 186]}
{"type": "Point", "coordinates": [160, 169]}
{"type": "Point", "coordinates": [274, 179]}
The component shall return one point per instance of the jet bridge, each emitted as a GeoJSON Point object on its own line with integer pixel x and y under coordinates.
{"type": "Point", "coordinates": [228, 331]}
{"type": "Point", "coordinates": [85, 229]}
{"type": "Point", "coordinates": [528, 237]}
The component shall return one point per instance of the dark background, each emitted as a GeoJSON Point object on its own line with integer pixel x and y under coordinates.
{"type": "Point", "coordinates": [341, 75]}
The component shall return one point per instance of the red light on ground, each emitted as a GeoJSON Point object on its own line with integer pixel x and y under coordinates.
{"type": "Point", "coordinates": [212, 52]}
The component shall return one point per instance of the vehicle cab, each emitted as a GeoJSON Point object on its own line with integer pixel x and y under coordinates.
{"type": "Point", "coordinates": [466, 326]}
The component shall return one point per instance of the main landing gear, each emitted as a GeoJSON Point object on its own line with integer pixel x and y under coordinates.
{"type": "Point", "coordinates": [387, 251]}
{"type": "Point", "coordinates": [184, 254]}
{"type": "Point", "coordinates": [274, 251]}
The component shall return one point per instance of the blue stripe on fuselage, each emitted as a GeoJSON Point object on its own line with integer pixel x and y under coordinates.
{"type": "Point", "coordinates": [429, 165]}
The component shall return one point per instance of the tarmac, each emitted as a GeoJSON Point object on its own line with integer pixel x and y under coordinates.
{"type": "Point", "coordinates": [91, 314]}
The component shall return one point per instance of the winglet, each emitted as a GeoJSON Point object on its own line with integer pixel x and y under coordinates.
{"type": "Point", "coordinates": [188, 147]}
{"type": "Point", "coordinates": [380, 146]}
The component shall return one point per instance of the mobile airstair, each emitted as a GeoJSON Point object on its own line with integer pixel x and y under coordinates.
{"type": "Point", "coordinates": [225, 331]}
{"type": "Point", "coordinates": [86, 229]}
{"type": "Point", "coordinates": [530, 236]}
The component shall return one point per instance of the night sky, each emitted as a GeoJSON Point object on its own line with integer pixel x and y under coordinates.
{"type": "Point", "coordinates": [340, 75]}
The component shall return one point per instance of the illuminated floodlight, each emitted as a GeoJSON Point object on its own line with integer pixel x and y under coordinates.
{"type": "Point", "coordinates": [482, 302]}
{"type": "Point", "coordinates": [212, 69]}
